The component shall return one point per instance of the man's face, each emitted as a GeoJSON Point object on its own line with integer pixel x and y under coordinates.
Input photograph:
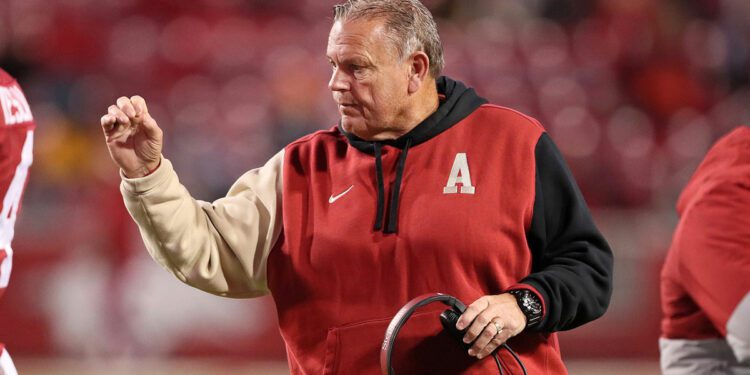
{"type": "Point", "coordinates": [369, 82]}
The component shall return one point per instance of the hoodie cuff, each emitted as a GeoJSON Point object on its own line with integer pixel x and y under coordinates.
{"type": "Point", "coordinates": [142, 185]}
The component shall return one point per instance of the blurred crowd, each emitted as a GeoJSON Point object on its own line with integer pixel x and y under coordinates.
{"type": "Point", "coordinates": [632, 91]}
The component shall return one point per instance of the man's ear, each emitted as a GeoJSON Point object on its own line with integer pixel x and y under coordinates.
{"type": "Point", "coordinates": [418, 71]}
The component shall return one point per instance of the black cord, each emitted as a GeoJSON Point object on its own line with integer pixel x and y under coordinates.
{"type": "Point", "coordinates": [497, 361]}
{"type": "Point", "coordinates": [515, 356]}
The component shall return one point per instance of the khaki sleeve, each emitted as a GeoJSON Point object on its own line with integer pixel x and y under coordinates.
{"type": "Point", "coordinates": [220, 247]}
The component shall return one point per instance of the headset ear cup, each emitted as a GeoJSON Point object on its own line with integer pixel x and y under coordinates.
{"type": "Point", "coordinates": [448, 319]}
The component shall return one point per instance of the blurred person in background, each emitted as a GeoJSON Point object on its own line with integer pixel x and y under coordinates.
{"type": "Point", "coordinates": [422, 187]}
{"type": "Point", "coordinates": [705, 281]}
{"type": "Point", "coordinates": [16, 145]}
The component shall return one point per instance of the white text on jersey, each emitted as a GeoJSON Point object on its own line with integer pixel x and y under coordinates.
{"type": "Point", "coordinates": [459, 175]}
{"type": "Point", "coordinates": [15, 108]}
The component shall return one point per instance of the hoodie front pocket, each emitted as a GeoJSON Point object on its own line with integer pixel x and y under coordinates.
{"type": "Point", "coordinates": [422, 347]}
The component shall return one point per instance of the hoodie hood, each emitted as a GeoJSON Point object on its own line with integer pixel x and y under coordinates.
{"type": "Point", "coordinates": [456, 102]}
{"type": "Point", "coordinates": [728, 160]}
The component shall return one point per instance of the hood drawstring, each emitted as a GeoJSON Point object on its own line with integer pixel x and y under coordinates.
{"type": "Point", "coordinates": [393, 214]}
{"type": "Point", "coordinates": [392, 223]}
{"type": "Point", "coordinates": [381, 187]}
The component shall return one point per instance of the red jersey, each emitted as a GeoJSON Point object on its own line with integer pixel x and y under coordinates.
{"type": "Point", "coordinates": [705, 288]}
{"type": "Point", "coordinates": [16, 143]}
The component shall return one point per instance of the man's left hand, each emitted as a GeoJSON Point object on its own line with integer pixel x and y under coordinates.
{"type": "Point", "coordinates": [492, 320]}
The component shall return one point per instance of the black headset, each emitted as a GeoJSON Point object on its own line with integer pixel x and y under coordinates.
{"type": "Point", "coordinates": [448, 319]}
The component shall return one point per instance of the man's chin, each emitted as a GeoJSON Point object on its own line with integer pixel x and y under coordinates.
{"type": "Point", "coordinates": [350, 125]}
{"type": "Point", "coordinates": [359, 129]}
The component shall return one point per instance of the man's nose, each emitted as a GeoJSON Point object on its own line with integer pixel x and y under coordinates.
{"type": "Point", "coordinates": [338, 81]}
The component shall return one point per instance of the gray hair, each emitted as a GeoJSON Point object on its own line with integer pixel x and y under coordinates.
{"type": "Point", "coordinates": [410, 25]}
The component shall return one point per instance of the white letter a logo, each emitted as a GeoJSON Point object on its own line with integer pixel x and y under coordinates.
{"type": "Point", "coordinates": [459, 175]}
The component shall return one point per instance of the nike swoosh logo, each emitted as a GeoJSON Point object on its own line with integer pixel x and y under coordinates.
{"type": "Point", "coordinates": [335, 198]}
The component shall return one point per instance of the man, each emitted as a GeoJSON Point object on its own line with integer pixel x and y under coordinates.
{"type": "Point", "coordinates": [705, 281]}
{"type": "Point", "coordinates": [422, 187]}
{"type": "Point", "coordinates": [16, 144]}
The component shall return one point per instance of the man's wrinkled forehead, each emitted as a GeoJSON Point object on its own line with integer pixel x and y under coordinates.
{"type": "Point", "coordinates": [370, 35]}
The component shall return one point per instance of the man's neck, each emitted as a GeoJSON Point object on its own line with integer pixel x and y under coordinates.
{"type": "Point", "coordinates": [423, 105]}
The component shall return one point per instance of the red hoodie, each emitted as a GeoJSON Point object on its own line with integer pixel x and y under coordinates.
{"type": "Point", "coordinates": [475, 200]}
{"type": "Point", "coordinates": [367, 228]}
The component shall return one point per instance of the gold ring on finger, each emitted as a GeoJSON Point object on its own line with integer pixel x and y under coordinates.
{"type": "Point", "coordinates": [498, 327]}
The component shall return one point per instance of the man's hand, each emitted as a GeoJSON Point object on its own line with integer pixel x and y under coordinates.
{"type": "Point", "coordinates": [492, 320]}
{"type": "Point", "coordinates": [133, 138]}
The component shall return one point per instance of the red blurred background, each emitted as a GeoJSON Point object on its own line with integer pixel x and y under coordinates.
{"type": "Point", "coordinates": [633, 92]}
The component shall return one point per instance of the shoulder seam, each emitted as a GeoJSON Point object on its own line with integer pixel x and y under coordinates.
{"type": "Point", "coordinates": [309, 137]}
{"type": "Point", "coordinates": [528, 118]}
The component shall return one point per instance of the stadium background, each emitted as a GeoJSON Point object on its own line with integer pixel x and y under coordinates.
{"type": "Point", "coordinates": [633, 92]}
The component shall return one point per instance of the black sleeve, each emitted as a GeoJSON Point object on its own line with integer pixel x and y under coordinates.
{"type": "Point", "coordinates": [571, 261]}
